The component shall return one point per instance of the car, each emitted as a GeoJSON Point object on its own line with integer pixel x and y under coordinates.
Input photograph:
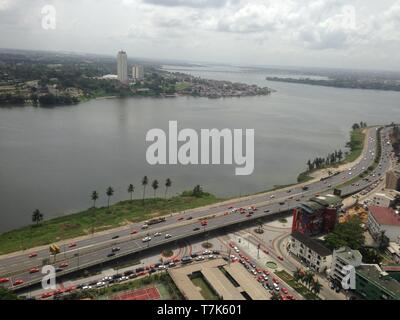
{"type": "Point", "coordinates": [231, 244]}
{"type": "Point", "coordinates": [167, 236]}
{"type": "Point", "coordinates": [266, 272]}
{"type": "Point", "coordinates": [199, 258]}
{"type": "Point", "coordinates": [72, 245]}
{"type": "Point", "coordinates": [115, 249]}
{"type": "Point", "coordinates": [280, 258]}
{"type": "Point", "coordinates": [285, 291]}
{"type": "Point", "coordinates": [146, 239]}
{"type": "Point", "coordinates": [34, 270]}
{"type": "Point", "coordinates": [157, 234]}
{"type": "Point", "coordinates": [272, 196]}
{"type": "Point", "coordinates": [32, 255]}
{"type": "Point", "coordinates": [204, 223]}
{"type": "Point", "coordinates": [46, 295]}
{"type": "Point", "coordinates": [196, 229]}
{"type": "Point", "coordinates": [111, 254]}
{"type": "Point", "coordinates": [276, 281]}
{"type": "Point", "coordinates": [289, 191]}
{"type": "Point", "coordinates": [4, 280]}
{"type": "Point", "coordinates": [266, 211]}
{"type": "Point", "coordinates": [211, 256]}
{"type": "Point", "coordinates": [59, 269]}
{"type": "Point", "coordinates": [134, 232]}
{"type": "Point", "coordinates": [145, 226]}
{"type": "Point", "coordinates": [115, 237]}
{"type": "Point", "coordinates": [189, 218]}
{"type": "Point", "coordinates": [248, 215]}
{"type": "Point", "coordinates": [281, 203]}
{"type": "Point", "coordinates": [265, 251]}
{"type": "Point", "coordinates": [180, 219]}
{"type": "Point", "coordinates": [64, 265]}
{"type": "Point", "coordinates": [18, 282]}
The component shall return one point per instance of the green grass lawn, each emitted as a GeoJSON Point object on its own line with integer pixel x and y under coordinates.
{"type": "Point", "coordinates": [180, 86]}
{"type": "Point", "coordinates": [298, 287]}
{"type": "Point", "coordinates": [99, 219]}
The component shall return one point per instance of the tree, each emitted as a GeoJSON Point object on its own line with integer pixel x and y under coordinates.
{"type": "Point", "coordinates": [298, 275]}
{"type": "Point", "coordinates": [109, 193]}
{"type": "Point", "coordinates": [316, 287]}
{"type": "Point", "coordinates": [154, 185]}
{"type": "Point", "coordinates": [370, 256]}
{"type": "Point", "coordinates": [168, 184]}
{"type": "Point", "coordinates": [94, 197]}
{"type": "Point", "coordinates": [383, 241]}
{"type": "Point", "coordinates": [131, 189]}
{"type": "Point", "coordinates": [145, 182]}
{"type": "Point", "coordinates": [37, 216]}
{"type": "Point", "coordinates": [197, 191]}
{"type": "Point", "coordinates": [308, 278]}
{"type": "Point", "coordinates": [275, 296]}
{"type": "Point", "coordinates": [349, 234]}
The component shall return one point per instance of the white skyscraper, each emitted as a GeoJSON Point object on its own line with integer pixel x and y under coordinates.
{"type": "Point", "coordinates": [122, 66]}
{"type": "Point", "coordinates": [138, 72]}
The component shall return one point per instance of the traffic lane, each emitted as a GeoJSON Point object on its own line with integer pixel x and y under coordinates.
{"type": "Point", "coordinates": [316, 185]}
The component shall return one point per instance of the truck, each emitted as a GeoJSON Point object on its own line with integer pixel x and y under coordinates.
{"type": "Point", "coordinates": [155, 221]}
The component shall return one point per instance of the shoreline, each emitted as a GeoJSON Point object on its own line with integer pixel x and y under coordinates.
{"type": "Point", "coordinates": [17, 234]}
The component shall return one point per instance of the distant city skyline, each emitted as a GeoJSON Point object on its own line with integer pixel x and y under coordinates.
{"type": "Point", "coordinates": [310, 33]}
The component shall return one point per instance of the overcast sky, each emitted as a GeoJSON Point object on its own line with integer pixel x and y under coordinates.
{"type": "Point", "coordinates": [330, 33]}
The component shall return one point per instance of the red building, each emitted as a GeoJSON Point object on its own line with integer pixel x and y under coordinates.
{"type": "Point", "coordinates": [316, 216]}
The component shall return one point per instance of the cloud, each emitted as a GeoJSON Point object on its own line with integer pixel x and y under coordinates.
{"type": "Point", "coordinates": [190, 3]}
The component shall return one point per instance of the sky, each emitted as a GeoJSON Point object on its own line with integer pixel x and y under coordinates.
{"type": "Point", "coordinates": [318, 33]}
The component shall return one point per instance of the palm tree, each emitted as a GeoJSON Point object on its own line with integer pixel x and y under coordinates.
{"type": "Point", "coordinates": [145, 182]}
{"type": "Point", "coordinates": [131, 189]}
{"type": "Point", "coordinates": [110, 193]}
{"type": "Point", "coordinates": [95, 196]}
{"type": "Point", "coordinates": [37, 216]}
{"type": "Point", "coordinates": [309, 278]}
{"type": "Point", "coordinates": [316, 286]}
{"type": "Point", "coordinates": [298, 275]}
{"type": "Point", "coordinates": [168, 183]}
{"type": "Point", "coordinates": [154, 185]}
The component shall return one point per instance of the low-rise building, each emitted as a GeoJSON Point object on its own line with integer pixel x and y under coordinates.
{"type": "Point", "coordinates": [387, 198]}
{"type": "Point", "coordinates": [310, 252]}
{"type": "Point", "coordinates": [374, 284]}
{"type": "Point", "coordinates": [393, 179]}
{"type": "Point", "coordinates": [341, 258]}
{"type": "Point", "coordinates": [385, 220]}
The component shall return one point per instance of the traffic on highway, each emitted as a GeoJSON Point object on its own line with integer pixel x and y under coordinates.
{"type": "Point", "coordinates": [23, 269]}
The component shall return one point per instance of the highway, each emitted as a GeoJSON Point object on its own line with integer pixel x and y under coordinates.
{"type": "Point", "coordinates": [95, 249]}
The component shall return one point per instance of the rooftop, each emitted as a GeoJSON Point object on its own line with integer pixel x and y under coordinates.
{"type": "Point", "coordinates": [313, 244]}
{"type": "Point", "coordinates": [385, 216]}
{"type": "Point", "coordinates": [381, 279]}
{"type": "Point", "coordinates": [348, 255]}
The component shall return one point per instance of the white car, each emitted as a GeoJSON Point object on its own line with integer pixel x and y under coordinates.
{"type": "Point", "coordinates": [145, 226]}
{"type": "Point", "coordinates": [146, 239]}
{"type": "Point", "coordinates": [167, 236]}
{"type": "Point", "coordinates": [157, 234]}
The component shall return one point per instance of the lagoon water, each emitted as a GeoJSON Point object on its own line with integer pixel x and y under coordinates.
{"type": "Point", "coordinates": [52, 159]}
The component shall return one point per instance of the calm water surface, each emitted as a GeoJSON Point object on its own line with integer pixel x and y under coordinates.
{"type": "Point", "coordinates": [52, 159]}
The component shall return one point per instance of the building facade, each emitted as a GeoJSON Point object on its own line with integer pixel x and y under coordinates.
{"type": "Point", "coordinates": [138, 72]}
{"type": "Point", "coordinates": [310, 252]}
{"type": "Point", "coordinates": [386, 220]}
{"type": "Point", "coordinates": [341, 258]}
{"type": "Point", "coordinates": [122, 67]}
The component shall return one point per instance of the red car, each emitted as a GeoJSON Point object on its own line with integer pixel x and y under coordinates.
{"type": "Point", "coordinates": [72, 245]}
{"type": "Point", "coordinates": [18, 282]}
{"type": "Point", "coordinates": [248, 215]}
{"type": "Point", "coordinates": [280, 258]}
{"type": "Point", "coordinates": [134, 232]}
{"type": "Point", "coordinates": [4, 280]}
{"type": "Point", "coordinates": [259, 270]}
{"type": "Point", "coordinates": [284, 290]}
{"type": "Point", "coordinates": [180, 219]}
{"type": "Point", "coordinates": [34, 270]}
{"type": "Point", "coordinates": [266, 272]}
{"type": "Point", "coordinates": [204, 223]}
{"type": "Point", "coordinates": [32, 255]}
{"type": "Point", "coordinates": [231, 244]}
{"type": "Point", "coordinates": [266, 251]}
{"type": "Point", "coordinates": [64, 265]}
{"type": "Point", "coordinates": [47, 295]}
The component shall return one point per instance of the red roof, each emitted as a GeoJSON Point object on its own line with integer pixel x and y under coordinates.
{"type": "Point", "coordinates": [385, 216]}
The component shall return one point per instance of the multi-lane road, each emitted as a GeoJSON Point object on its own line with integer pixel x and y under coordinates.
{"type": "Point", "coordinates": [96, 249]}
